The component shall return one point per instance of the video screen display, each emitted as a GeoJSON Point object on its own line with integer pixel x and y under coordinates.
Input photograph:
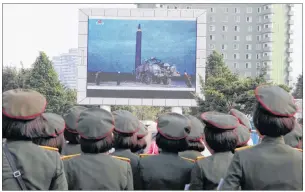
{"type": "Point", "coordinates": [135, 58]}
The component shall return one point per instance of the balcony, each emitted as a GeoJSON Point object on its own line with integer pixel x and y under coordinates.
{"type": "Point", "coordinates": [267, 58]}
{"type": "Point", "coordinates": [269, 20]}
{"type": "Point", "coordinates": [291, 13]}
{"type": "Point", "coordinates": [267, 30]}
{"type": "Point", "coordinates": [289, 50]}
{"type": "Point", "coordinates": [289, 77]}
{"type": "Point", "coordinates": [289, 69]}
{"type": "Point", "coordinates": [267, 49]}
{"type": "Point", "coordinates": [289, 59]}
{"type": "Point", "coordinates": [267, 11]}
{"type": "Point", "coordinates": [290, 22]}
{"type": "Point", "coordinates": [290, 40]}
{"type": "Point", "coordinates": [290, 31]}
{"type": "Point", "coordinates": [267, 39]}
{"type": "Point", "coordinates": [291, 5]}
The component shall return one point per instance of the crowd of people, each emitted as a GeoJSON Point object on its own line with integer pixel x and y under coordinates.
{"type": "Point", "coordinates": [94, 149]}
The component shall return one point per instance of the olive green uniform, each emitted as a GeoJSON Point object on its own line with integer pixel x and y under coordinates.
{"type": "Point", "coordinates": [40, 169]}
{"type": "Point", "coordinates": [190, 154]}
{"type": "Point", "coordinates": [269, 165]}
{"type": "Point", "coordinates": [98, 172]}
{"type": "Point", "coordinates": [208, 171]}
{"type": "Point", "coordinates": [71, 149]}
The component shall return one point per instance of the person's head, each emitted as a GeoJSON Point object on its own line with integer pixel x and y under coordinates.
{"type": "Point", "coordinates": [70, 118]}
{"type": "Point", "coordinates": [195, 137]}
{"type": "Point", "coordinates": [141, 142]}
{"type": "Point", "coordinates": [244, 129]}
{"type": "Point", "coordinates": [55, 126]}
{"type": "Point", "coordinates": [173, 129]}
{"type": "Point", "coordinates": [95, 127]}
{"type": "Point", "coordinates": [21, 114]}
{"type": "Point", "coordinates": [274, 112]}
{"type": "Point", "coordinates": [126, 125]}
{"type": "Point", "coordinates": [295, 137]}
{"type": "Point", "coordinates": [219, 132]}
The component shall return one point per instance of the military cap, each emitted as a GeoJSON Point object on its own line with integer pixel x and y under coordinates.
{"type": "Point", "coordinates": [142, 131]}
{"type": "Point", "coordinates": [71, 118]}
{"type": "Point", "coordinates": [243, 135]}
{"type": "Point", "coordinates": [276, 100]}
{"type": "Point", "coordinates": [95, 124]}
{"type": "Point", "coordinates": [54, 124]}
{"type": "Point", "coordinates": [242, 118]}
{"type": "Point", "coordinates": [23, 104]}
{"type": "Point", "coordinates": [220, 120]}
{"type": "Point", "coordinates": [294, 137]}
{"type": "Point", "coordinates": [197, 128]}
{"type": "Point", "coordinates": [125, 122]}
{"type": "Point", "coordinates": [173, 126]}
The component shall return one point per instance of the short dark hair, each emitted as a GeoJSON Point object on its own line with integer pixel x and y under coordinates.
{"type": "Point", "coordinates": [56, 142]}
{"type": "Point", "coordinates": [175, 146]}
{"type": "Point", "coordinates": [300, 121]}
{"type": "Point", "coordinates": [271, 125]}
{"type": "Point", "coordinates": [195, 145]}
{"type": "Point", "coordinates": [73, 138]}
{"type": "Point", "coordinates": [141, 144]}
{"type": "Point", "coordinates": [124, 140]}
{"type": "Point", "coordinates": [219, 140]}
{"type": "Point", "coordinates": [96, 146]}
{"type": "Point", "coordinates": [22, 129]}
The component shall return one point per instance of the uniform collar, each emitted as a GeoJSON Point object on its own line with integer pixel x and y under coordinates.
{"type": "Point", "coordinates": [121, 150]}
{"type": "Point", "coordinates": [277, 140]}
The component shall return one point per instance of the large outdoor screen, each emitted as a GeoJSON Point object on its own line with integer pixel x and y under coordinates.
{"type": "Point", "coordinates": [136, 58]}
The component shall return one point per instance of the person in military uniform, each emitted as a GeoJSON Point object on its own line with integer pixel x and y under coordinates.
{"type": "Point", "coordinates": [53, 139]}
{"type": "Point", "coordinates": [72, 145]}
{"type": "Point", "coordinates": [295, 137]}
{"type": "Point", "coordinates": [22, 121]}
{"type": "Point", "coordinates": [168, 171]}
{"type": "Point", "coordinates": [221, 139]}
{"type": "Point", "coordinates": [94, 168]}
{"type": "Point", "coordinates": [125, 138]}
{"type": "Point", "coordinates": [141, 142]}
{"type": "Point", "coordinates": [243, 130]}
{"type": "Point", "coordinates": [270, 165]}
{"type": "Point", "coordinates": [194, 139]}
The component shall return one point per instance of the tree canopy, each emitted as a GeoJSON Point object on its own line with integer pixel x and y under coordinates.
{"type": "Point", "coordinates": [298, 92]}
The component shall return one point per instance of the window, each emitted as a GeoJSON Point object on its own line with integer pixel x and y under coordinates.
{"type": "Point", "coordinates": [257, 65]}
{"type": "Point", "coordinates": [167, 6]}
{"type": "Point", "coordinates": [175, 7]}
{"type": "Point", "coordinates": [248, 56]}
{"type": "Point", "coordinates": [236, 28]}
{"type": "Point", "coordinates": [236, 56]}
{"type": "Point", "coordinates": [265, 54]}
{"type": "Point", "coordinates": [224, 55]}
{"type": "Point", "coordinates": [224, 37]}
{"type": "Point", "coordinates": [224, 46]}
{"type": "Point", "coordinates": [224, 28]}
{"type": "Point", "coordinates": [212, 19]}
{"type": "Point", "coordinates": [237, 18]}
{"type": "Point", "coordinates": [235, 65]}
{"type": "Point", "coordinates": [265, 64]}
{"type": "Point", "coordinates": [265, 45]}
{"type": "Point", "coordinates": [249, 28]}
{"type": "Point", "coordinates": [212, 37]}
{"type": "Point", "coordinates": [249, 9]}
{"type": "Point", "coordinates": [249, 47]}
{"type": "Point", "coordinates": [249, 38]}
{"type": "Point", "coordinates": [212, 10]}
{"type": "Point", "coordinates": [236, 10]}
{"type": "Point", "coordinates": [266, 16]}
{"type": "Point", "coordinates": [236, 38]}
{"type": "Point", "coordinates": [258, 56]}
{"type": "Point", "coordinates": [236, 46]}
{"type": "Point", "coordinates": [266, 7]}
{"type": "Point", "coordinates": [266, 35]}
{"type": "Point", "coordinates": [212, 46]}
{"type": "Point", "coordinates": [226, 18]}
{"type": "Point", "coordinates": [188, 7]}
{"type": "Point", "coordinates": [259, 28]}
{"type": "Point", "coordinates": [249, 19]}
{"type": "Point", "coordinates": [226, 9]}
{"type": "Point", "coordinates": [259, 9]}
{"type": "Point", "coordinates": [266, 26]}
{"type": "Point", "coordinates": [258, 37]}
{"type": "Point", "coordinates": [212, 27]}
{"type": "Point", "coordinates": [161, 6]}
{"type": "Point", "coordinates": [248, 65]}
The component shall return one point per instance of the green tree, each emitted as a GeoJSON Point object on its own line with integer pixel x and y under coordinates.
{"type": "Point", "coordinates": [43, 78]}
{"type": "Point", "coordinates": [9, 78]}
{"type": "Point", "coordinates": [142, 112]}
{"type": "Point", "coordinates": [298, 92]}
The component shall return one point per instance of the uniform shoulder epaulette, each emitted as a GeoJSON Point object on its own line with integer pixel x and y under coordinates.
{"type": "Point", "coordinates": [200, 157]}
{"type": "Point", "coordinates": [48, 148]}
{"type": "Point", "coordinates": [191, 160]}
{"type": "Point", "coordinates": [301, 150]}
{"type": "Point", "coordinates": [242, 148]}
{"type": "Point", "coordinates": [145, 155]}
{"type": "Point", "coordinates": [69, 156]}
{"type": "Point", "coordinates": [122, 158]}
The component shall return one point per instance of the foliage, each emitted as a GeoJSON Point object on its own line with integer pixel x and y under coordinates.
{"type": "Point", "coordinates": [142, 112]}
{"type": "Point", "coordinates": [298, 92]}
{"type": "Point", "coordinates": [224, 89]}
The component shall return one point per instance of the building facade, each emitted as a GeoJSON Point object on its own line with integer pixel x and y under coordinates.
{"type": "Point", "coordinates": [66, 67]}
{"type": "Point", "coordinates": [249, 36]}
